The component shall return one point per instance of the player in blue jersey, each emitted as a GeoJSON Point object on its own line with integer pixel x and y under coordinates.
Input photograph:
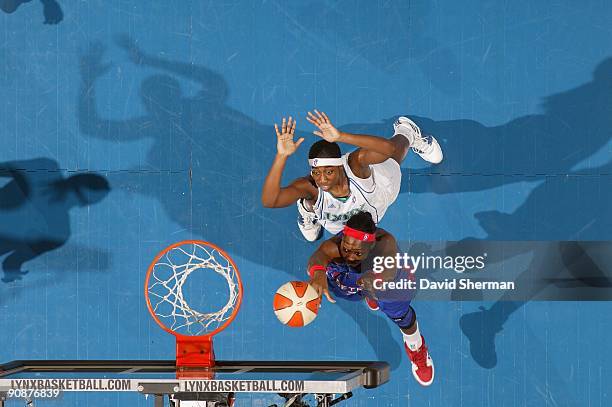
{"type": "Point", "coordinates": [342, 267]}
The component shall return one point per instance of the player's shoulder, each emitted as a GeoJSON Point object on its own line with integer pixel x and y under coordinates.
{"type": "Point", "coordinates": [330, 246]}
{"type": "Point", "coordinates": [383, 236]}
{"type": "Point", "coordinates": [353, 158]}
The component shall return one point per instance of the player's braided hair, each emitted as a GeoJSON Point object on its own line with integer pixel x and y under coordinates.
{"type": "Point", "coordinates": [324, 149]}
{"type": "Point", "coordinates": [362, 221]}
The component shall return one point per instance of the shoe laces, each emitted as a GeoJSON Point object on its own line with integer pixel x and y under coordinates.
{"type": "Point", "coordinates": [420, 356]}
{"type": "Point", "coordinates": [421, 144]}
{"type": "Point", "coordinates": [307, 221]}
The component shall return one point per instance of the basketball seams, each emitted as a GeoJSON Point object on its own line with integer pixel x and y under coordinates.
{"type": "Point", "coordinates": [281, 302]}
{"type": "Point", "coordinates": [296, 303]}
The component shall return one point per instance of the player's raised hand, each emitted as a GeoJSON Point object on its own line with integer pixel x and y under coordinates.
{"type": "Point", "coordinates": [284, 137]}
{"type": "Point", "coordinates": [366, 282]}
{"type": "Point", "coordinates": [326, 130]}
{"type": "Point", "coordinates": [319, 283]}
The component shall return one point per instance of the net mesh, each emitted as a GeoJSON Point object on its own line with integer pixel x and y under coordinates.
{"type": "Point", "coordinates": [166, 288]}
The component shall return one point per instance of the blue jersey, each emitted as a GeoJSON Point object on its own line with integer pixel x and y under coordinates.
{"type": "Point", "coordinates": [342, 283]}
{"type": "Point", "coordinates": [342, 280]}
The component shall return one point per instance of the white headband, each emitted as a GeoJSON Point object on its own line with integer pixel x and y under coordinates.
{"type": "Point", "coordinates": [325, 162]}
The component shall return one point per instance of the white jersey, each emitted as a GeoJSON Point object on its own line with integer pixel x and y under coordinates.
{"type": "Point", "coordinates": [373, 194]}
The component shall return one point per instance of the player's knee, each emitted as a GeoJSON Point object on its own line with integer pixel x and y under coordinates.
{"type": "Point", "coordinates": [404, 318]}
{"type": "Point", "coordinates": [408, 320]}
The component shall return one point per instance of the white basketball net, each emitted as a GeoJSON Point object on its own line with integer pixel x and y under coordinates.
{"type": "Point", "coordinates": [166, 282]}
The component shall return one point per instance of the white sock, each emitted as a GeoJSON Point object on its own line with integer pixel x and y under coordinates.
{"type": "Point", "coordinates": [413, 341]}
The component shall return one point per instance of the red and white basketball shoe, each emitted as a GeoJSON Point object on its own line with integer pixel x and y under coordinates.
{"type": "Point", "coordinates": [372, 304]}
{"type": "Point", "coordinates": [422, 365]}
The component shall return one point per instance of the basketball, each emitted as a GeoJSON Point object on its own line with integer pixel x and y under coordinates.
{"type": "Point", "coordinates": [296, 304]}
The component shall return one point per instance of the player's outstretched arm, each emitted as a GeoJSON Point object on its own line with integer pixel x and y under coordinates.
{"type": "Point", "coordinates": [272, 195]}
{"type": "Point", "coordinates": [317, 265]}
{"type": "Point", "coordinates": [211, 81]}
{"type": "Point", "coordinates": [91, 123]}
{"type": "Point", "coordinates": [374, 149]}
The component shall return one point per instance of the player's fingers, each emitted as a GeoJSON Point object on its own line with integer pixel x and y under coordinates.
{"type": "Point", "coordinates": [329, 297]}
{"type": "Point", "coordinates": [325, 117]}
{"type": "Point", "coordinates": [316, 120]}
{"type": "Point", "coordinates": [276, 129]}
{"type": "Point", "coordinates": [297, 144]}
{"type": "Point", "coordinates": [319, 115]}
{"type": "Point", "coordinates": [317, 133]}
{"type": "Point", "coordinates": [293, 126]}
{"type": "Point", "coordinates": [284, 126]}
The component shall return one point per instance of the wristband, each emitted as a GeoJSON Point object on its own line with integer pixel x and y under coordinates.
{"type": "Point", "coordinates": [311, 270]}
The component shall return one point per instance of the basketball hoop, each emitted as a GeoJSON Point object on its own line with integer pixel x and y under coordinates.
{"type": "Point", "coordinates": [167, 302]}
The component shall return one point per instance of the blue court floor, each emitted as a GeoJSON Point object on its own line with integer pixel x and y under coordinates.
{"type": "Point", "coordinates": [163, 112]}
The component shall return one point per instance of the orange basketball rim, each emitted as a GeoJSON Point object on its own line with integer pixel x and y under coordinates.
{"type": "Point", "coordinates": [167, 304]}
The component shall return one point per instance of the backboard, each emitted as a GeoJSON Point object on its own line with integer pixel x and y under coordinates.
{"type": "Point", "coordinates": [328, 382]}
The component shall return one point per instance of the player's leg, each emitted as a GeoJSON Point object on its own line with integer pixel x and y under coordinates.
{"type": "Point", "coordinates": [408, 135]}
{"type": "Point", "coordinates": [404, 317]}
{"type": "Point", "coordinates": [402, 146]}
{"type": "Point", "coordinates": [23, 252]}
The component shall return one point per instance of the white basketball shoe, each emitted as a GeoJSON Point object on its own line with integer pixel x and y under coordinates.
{"type": "Point", "coordinates": [426, 146]}
{"type": "Point", "coordinates": [308, 223]}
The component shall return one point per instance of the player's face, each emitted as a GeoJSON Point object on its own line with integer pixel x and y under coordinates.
{"type": "Point", "coordinates": [326, 177]}
{"type": "Point", "coordinates": [354, 251]}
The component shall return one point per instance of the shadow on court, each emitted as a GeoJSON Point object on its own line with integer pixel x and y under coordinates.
{"type": "Point", "coordinates": [35, 204]}
{"type": "Point", "coordinates": [540, 270]}
{"type": "Point", "coordinates": [52, 11]}
{"type": "Point", "coordinates": [570, 203]}
{"type": "Point", "coordinates": [388, 47]}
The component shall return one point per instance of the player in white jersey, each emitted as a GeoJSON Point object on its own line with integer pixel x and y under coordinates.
{"type": "Point", "coordinates": [367, 179]}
